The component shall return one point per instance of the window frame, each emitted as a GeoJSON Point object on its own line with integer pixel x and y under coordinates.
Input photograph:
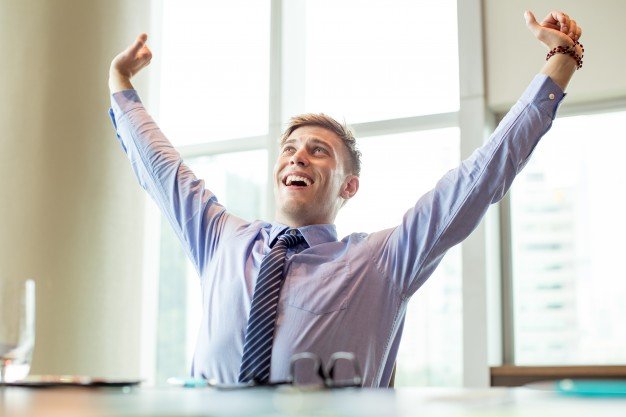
{"type": "Point", "coordinates": [480, 271]}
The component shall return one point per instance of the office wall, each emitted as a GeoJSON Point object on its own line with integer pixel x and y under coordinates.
{"type": "Point", "coordinates": [71, 212]}
{"type": "Point", "coordinates": [513, 55]}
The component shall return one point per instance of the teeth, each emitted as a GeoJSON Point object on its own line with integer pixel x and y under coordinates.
{"type": "Point", "coordinates": [292, 178]}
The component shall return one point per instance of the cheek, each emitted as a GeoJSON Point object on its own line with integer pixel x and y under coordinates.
{"type": "Point", "coordinates": [278, 166]}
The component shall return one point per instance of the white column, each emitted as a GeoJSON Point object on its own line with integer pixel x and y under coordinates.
{"type": "Point", "coordinates": [71, 213]}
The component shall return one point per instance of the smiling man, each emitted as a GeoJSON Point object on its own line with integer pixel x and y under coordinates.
{"type": "Point", "coordinates": [272, 290]}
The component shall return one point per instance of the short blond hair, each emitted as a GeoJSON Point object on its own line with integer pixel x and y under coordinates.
{"type": "Point", "coordinates": [342, 130]}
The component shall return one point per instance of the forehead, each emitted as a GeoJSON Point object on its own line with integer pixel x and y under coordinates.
{"type": "Point", "coordinates": [315, 134]}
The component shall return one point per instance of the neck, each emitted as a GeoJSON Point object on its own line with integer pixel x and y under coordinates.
{"type": "Point", "coordinates": [297, 222]}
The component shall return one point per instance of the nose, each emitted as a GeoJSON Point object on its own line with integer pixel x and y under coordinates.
{"type": "Point", "coordinates": [299, 158]}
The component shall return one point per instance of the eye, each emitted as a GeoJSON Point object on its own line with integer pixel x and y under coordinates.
{"type": "Point", "coordinates": [288, 150]}
{"type": "Point", "coordinates": [319, 150]}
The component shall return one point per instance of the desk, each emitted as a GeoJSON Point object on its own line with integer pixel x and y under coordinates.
{"type": "Point", "coordinates": [422, 402]}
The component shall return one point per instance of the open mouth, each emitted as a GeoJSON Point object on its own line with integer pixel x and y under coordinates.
{"type": "Point", "coordinates": [297, 180]}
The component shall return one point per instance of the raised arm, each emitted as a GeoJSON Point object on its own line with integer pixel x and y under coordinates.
{"type": "Point", "coordinates": [128, 63]}
{"type": "Point", "coordinates": [198, 220]}
{"type": "Point", "coordinates": [446, 215]}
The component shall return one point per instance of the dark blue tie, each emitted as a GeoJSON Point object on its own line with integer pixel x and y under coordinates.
{"type": "Point", "coordinates": [257, 350]}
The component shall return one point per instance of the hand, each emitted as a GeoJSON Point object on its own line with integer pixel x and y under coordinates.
{"type": "Point", "coordinates": [556, 29]}
{"type": "Point", "coordinates": [128, 63]}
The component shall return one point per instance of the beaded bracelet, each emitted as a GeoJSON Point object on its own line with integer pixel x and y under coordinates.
{"type": "Point", "coordinates": [571, 51]}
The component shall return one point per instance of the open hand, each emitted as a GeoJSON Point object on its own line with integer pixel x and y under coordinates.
{"type": "Point", "coordinates": [130, 61]}
{"type": "Point", "coordinates": [556, 29]}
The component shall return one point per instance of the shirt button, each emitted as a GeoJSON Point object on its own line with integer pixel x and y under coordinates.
{"type": "Point", "coordinates": [551, 96]}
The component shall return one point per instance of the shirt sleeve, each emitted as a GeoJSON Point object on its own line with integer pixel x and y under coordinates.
{"type": "Point", "coordinates": [197, 218]}
{"type": "Point", "coordinates": [447, 214]}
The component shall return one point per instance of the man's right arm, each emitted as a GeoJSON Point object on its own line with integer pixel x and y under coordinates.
{"type": "Point", "coordinates": [193, 211]}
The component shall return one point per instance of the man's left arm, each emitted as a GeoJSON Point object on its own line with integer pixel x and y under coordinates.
{"type": "Point", "coordinates": [452, 210]}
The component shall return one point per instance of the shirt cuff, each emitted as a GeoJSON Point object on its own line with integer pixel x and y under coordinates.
{"type": "Point", "coordinates": [544, 94]}
{"type": "Point", "coordinates": [123, 102]}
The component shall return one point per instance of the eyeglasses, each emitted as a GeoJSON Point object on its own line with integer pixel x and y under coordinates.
{"type": "Point", "coordinates": [309, 361]}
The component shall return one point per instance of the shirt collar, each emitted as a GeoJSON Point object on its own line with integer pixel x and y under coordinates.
{"type": "Point", "coordinates": [313, 234]}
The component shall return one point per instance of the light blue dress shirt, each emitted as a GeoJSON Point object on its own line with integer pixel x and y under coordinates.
{"type": "Point", "coordinates": [338, 295]}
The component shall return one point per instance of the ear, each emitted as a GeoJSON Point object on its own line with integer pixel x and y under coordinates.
{"type": "Point", "coordinates": [350, 187]}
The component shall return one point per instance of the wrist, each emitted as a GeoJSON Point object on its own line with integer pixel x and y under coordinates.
{"type": "Point", "coordinates": [119, 81]}
{"type": "Point", "coordinates": [115, 73]}
{"type": "Point", "coordinates": [560, 68]}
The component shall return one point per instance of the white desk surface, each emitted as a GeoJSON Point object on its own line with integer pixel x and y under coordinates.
{"type": "Point", "coordinates": [422, 402]}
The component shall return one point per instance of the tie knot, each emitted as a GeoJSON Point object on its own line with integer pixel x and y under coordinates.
{"type": "Point", "coordinates": [291, 238]}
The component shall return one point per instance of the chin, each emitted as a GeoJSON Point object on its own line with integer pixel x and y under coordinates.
{"type": "Point", "coordinates": [294, 208]}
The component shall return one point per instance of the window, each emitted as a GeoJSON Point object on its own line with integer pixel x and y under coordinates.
{"type": "Point", "coordinates": [567, 230]}
{"type": "Point", "coordinates": [365, 61]}
{"type": "Point", "coordinates": [215, 73]}
{"type": "Point", "coordinates": [361, 62]}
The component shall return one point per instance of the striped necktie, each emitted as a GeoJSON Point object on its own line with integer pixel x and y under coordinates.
{"type": "Point", "coordinates": [257, 350]}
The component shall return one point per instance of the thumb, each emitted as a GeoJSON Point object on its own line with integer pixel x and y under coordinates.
{"type": "Point", "coordinates": [531, 22]}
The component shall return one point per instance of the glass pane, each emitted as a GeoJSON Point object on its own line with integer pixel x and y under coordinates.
{"type": "Point", "coordinates": [379, 60]}
{"type": "Point", "coordinates": [215, 69]}
{"type": "Point", "coordinates": [237, 179]}
{"type": "Point", "coordinates": [568, 226]}
{"type": "Point", "coordinates": [397, 170]}
{"type": "Point", "coordinates": [234, 178]}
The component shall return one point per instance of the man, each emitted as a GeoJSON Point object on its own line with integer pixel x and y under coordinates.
{"type": "Point", "coordinates": [272, 290]}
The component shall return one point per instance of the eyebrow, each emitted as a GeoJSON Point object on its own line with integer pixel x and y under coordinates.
{"type": "Point", "coordinates": [314, 140]}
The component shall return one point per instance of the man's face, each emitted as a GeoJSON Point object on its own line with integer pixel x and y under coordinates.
{"type": "Point", "coordinates": [312, 177]}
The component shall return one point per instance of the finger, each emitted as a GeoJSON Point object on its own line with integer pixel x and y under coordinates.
{"type": "Point", "coordinates": [560, 17]}
{"type": "Point", "coordinates": [139, 43]}
{"type": "Point", "coordinates": [579, 32]}
{"type": "Point", "coordinates": [564, 21]}
{"type": "Point", "coordinates": [145, 54]}
{"type": "Point", "coordinates": [556, 20]}
{"type": "Point", "coordinates": [573, 27]}
{"type": "Point", "coordinates": [551, 26]}
{"type": "Point", "coordinates": [551, 19]}
{"type": "Point", "coordinates": [550, 22]}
